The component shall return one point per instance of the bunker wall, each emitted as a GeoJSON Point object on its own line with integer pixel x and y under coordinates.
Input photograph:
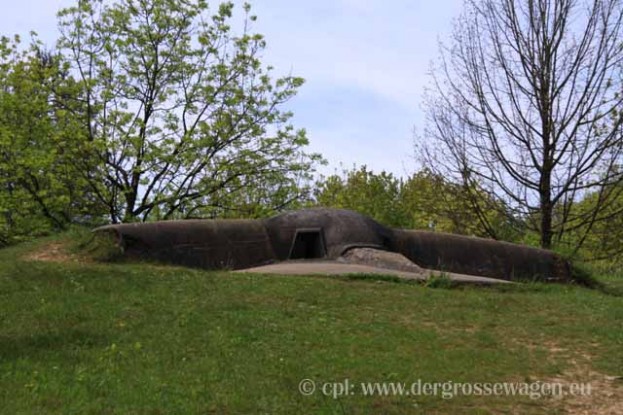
{"type": "Point", "coordinates": [478, 256]}
{"type": "Point", "coordinates": [209, 244]}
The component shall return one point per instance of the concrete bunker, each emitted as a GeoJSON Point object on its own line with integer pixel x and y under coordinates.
{"type": "Point", "coordinates": [340, 230]}
{"type": "Point", "coordinates": [328, 234]}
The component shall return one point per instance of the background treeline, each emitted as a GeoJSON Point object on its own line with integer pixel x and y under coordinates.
{"type": "Point", "coordinates": [425, 200]}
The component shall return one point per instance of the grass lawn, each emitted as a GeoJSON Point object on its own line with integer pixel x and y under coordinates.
{"type": "Point", "coordinates": [87, 338]}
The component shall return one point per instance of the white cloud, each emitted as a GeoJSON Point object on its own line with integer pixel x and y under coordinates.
{"type": "Point", "coordinates": [368, 44]}
{"type": "Point", "coordinates": [362, 46]}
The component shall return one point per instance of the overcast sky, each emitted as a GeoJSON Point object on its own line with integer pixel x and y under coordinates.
{"type": "Point", "coordinates": [365, 63]}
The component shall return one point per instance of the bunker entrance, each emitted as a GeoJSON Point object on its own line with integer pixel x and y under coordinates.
{"type": "Point", "coordinates": [308, 244]}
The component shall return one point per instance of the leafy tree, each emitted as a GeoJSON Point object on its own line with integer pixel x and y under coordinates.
{"type": "Point", "coordinates": [521, 103]}
{"type": "Point", "coordinates": [257, 199]}
{"type": "Point", "coordinates": [602, 240]}
{"type": "Point", "coordinates": [422, 201]}
{"type": "Point", "coordinates": [361, 190]}
{"type": "Point", "coordinates": [433, 202]}
{"type": "Point", "coordinates": [182, 118]}
{"type": "Point", "coordinates": [39, 188]}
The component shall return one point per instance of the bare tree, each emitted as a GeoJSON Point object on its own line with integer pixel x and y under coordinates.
{"type": "Point", "coordinates": [524, 102]}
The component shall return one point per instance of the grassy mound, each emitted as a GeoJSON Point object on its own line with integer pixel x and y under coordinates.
{"type": "Point", "coordinates": [79, 336]}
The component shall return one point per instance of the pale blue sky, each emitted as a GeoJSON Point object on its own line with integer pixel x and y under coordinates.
{"type": "Point", "coordinates": [365, 63]}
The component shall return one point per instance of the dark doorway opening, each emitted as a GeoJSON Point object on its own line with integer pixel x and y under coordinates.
{"type": "Point", "coordinates": [308, 244]}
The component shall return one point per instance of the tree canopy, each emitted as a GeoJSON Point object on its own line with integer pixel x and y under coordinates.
{"type": "Point", "coordinates": [180, 112]}
{"type": "Point", "coordinates": [423, 200]}
{"type": "Point", "coordinates": [146, 109]}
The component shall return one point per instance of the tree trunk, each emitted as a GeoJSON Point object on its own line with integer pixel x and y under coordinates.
{"type": "Point", "coordinates": [546, 210]}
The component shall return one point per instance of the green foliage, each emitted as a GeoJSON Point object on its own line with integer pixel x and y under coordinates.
{"type": "Point", "coordinates": [422, 201]}
{"type": "Point", "coordinates": [595, 234]}
{"type": "Point", "coordinates": [583, 275]}
{"type": "Point", "coordinates": [181, 111]}
{"type": "Point", "coordinates": [434, 202]}
{"type": "Point", "coordinates": [94, 246]}
{"type": "Point", "coordinates": [441, 280]}
{"type": "Point", "coordinates": [146, 110]}
{"type": "Point", "coordinates": [40, 188]}
{"type": "Point", "coordinates": [361, 190]}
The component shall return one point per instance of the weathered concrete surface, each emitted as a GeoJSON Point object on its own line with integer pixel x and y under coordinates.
{"type": "Point", "coordinates": [343, 268]}
{"type": "Point", "coordinates": [211, 244]}
{"type": "Point", "coordinates": [380, 259]}
{"type": "Point", "coordinates": [342, 230]}
{"type": "Point", "coordinates": [328, 234]}
{"type": "Point", "coordinates": [478, 256]}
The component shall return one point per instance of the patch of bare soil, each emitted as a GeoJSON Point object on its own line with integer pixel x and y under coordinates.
{"type": "Point", "coordinates": [54, 252]}
{"type": "Point", "coordinates": [604, 394]}
{"type": "Point", "coordinates": [585, 390]}
{"type": "Point", "coordinates": [598, 393]}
